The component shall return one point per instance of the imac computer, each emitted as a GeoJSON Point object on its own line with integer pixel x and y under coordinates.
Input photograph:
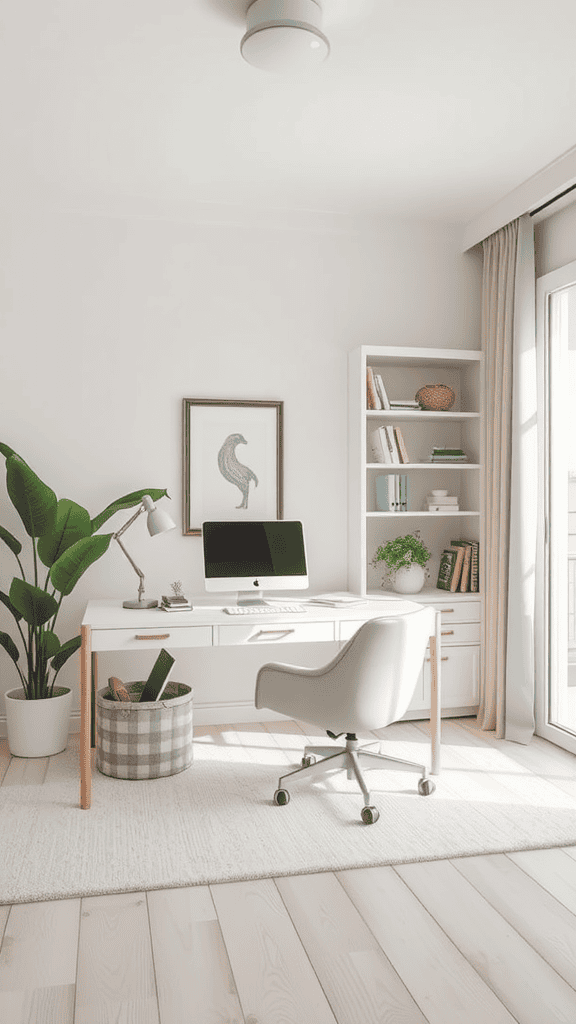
{"type": "Point", "coordinates": [250, 557]}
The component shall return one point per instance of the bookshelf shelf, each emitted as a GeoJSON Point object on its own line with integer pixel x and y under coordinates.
{"type": "Point", "coordinates": [403, 466]}
{"type": "Point", "coordinates": [420, 514]}
{"type": "Point", "coordinates": [404, 371]}
{"type": "Point", "coordinates": [423, 414]}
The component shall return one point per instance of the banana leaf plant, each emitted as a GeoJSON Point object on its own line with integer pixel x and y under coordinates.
{"type": "Point", "coordinates": [64, 544]}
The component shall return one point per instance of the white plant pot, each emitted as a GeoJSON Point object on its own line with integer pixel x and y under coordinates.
{"type": "Point", "coordinates": [38, 728]}
{"type": "Point", "coordinates": [409, 579]}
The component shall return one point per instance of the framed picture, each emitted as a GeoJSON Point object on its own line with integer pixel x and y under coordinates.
{"type": "Point", "coordinates": [232, 455]}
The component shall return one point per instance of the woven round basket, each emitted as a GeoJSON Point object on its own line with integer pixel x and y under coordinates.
{"type": "Point", "coordinates": [438, 397]}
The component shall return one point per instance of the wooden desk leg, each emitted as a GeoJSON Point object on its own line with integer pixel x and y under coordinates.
{"type": "Point", "coordinates": [85, 717]}
{"type": "Point", "coordinates": [436, 697]}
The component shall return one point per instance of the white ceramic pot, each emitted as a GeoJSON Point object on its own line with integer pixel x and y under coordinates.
{"type": "Point", "coordinates": [409, 579]}
{"type": "Point", "coordinates": [38, 728]}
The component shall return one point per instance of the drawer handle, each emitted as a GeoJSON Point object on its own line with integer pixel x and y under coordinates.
{"type": "Point", "coordinates": [152, 636]}
{"type": "Point", "coordinates": [444, 658]}
{"type": "Point", "coordinates": [274, 632]}
{"type": "Point", "coordinates": [446, 610]}
{"type": "Point", "coordinates": [447, 632]}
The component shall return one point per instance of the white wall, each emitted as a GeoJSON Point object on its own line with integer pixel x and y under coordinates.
{"type": "Point", "coordinates": [109, 322]}
{"type": "Point", "coordinates": [555, 240]}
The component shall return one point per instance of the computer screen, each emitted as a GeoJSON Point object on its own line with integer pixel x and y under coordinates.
{"type": "Point", "coordinates": [249, 557]}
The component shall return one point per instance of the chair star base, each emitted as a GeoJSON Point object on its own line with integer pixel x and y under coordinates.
{"type": "Point", "coordinates": [348, 758]}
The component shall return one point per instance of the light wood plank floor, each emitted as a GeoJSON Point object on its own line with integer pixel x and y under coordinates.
{"type": "Point", "coordinates": [476, 940]}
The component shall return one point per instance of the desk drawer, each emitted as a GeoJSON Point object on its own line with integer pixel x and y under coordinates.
{"type": "Point", "coordinates": [459, 611]}
{"type": "Point", "coordinates": [274, 633]}
{"type": "Point", "coordinates": [459, 633]}
{"type": "Point", "coordinates": [147, 638]}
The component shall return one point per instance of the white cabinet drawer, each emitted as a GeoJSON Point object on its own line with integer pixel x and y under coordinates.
{"type": "Point", "coordinates": [459, 611]}
{"type": "Point", "coordinates": [147, 638]}
{"type": "Point", "coordinates": [459, 633]}
{"type": "Point", "coordinates": [274, 633]}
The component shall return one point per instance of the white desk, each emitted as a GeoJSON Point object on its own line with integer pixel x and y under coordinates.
{"type": "Point", "coordinates": [109, 627]}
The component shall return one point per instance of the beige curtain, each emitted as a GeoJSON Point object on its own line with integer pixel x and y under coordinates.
{"type": "Point", "coordinates": [507, 575]}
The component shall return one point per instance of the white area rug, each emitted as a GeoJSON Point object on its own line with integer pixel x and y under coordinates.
{"type": "Point", "coordinates": [216, 821]}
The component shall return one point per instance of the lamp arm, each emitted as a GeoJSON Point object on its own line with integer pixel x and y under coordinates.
{"type": "Point", "coordinates": [127, 526]}
{"type": "Point", "coordinates": [132, 562]}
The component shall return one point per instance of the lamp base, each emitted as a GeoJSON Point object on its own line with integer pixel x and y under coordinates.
{"type": "Point", "coordinates": [140, 604]}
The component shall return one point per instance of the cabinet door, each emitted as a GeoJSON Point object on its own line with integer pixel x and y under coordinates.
{"type": "Point", "coordinates": [460, 677]}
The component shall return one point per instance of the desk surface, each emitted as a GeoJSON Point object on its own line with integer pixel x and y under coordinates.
{"type": "Point", "coordinates": [108, 614]}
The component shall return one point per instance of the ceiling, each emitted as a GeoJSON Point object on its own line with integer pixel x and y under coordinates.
{"type": "Point", "coordinates": [425, 108]}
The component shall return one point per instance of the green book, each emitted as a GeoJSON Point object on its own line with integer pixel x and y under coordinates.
{"type": "Point", "coordinates": [447, 562]}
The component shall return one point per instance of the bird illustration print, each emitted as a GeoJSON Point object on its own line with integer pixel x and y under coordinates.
{"type": "Point", "coordinates": [233, 470]}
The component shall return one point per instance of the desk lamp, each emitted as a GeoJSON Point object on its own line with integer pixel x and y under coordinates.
{"type": "Point", "coordinates": [158, 521]}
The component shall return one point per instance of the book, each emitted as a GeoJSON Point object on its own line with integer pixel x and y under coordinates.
{"type": "Point", "coordinates": [401, 445]}
{"type": "Point", "coordinates": [456, 568]}
{"type": "Point", "coordinates": [392, 446]}
{"type": "Point", "coordinates": [473, 576]}
{"type": "Point", "coordinates": [158, 679]}
{"type": "Point", "coordinates": [372, 398]}
{"type": "Point", "coordinates": [442, 508]}
{"type": "Point", "coordinates": [378, 451]}
{"type": "Point", "coordinates": [338, 600]}
{"type": "Point", "coordinates": [404, 403]}
{"type": "Point", "coordinates": [382, 494]}
{"type": "Point", "coordinates": [465, 574]}
{"type": "Point", "coordinates": [447, 560]}
{"type": "Point", "coordinates": [176, 608]}
{"type": "Point", "coordinates": [381, 391]}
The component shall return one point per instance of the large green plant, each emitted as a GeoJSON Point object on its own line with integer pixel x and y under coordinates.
{"type": "Point", "coordinates": [64, 544]}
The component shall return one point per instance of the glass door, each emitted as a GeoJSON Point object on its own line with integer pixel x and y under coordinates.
{"type": "Point", "coordinates": [556, 614]}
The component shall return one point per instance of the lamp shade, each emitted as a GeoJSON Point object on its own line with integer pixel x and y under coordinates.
{"type": "Point", "coordinates": [284, 35]}
{"type": "Point", "coordinates": [157, 520]}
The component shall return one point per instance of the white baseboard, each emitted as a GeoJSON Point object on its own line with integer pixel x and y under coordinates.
{"type": "Point", "coordinates": [244, 711]}
{"type": "Point", "coordinates": [204, 714]}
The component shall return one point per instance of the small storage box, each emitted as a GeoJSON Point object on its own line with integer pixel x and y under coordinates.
{"type": "Point", "coordinates": [144, 741]}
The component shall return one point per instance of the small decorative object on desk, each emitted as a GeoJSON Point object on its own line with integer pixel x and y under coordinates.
{"type": "Point", "coordinates": [436, 397]}
{"type": "Point", "coordinates": [176, 602]}
{"type": "Point", "coordinates": [405, 559]}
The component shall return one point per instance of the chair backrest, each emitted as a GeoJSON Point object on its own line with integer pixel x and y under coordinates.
{"type": "Point", "coordinates": [373, 679]}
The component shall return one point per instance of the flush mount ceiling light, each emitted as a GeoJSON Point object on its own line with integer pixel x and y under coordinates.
{"type": "Point", "coordinates": [284, 35]}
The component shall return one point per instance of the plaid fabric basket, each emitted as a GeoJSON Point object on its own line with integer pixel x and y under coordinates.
{"type": "Point", "coordinates": [144, 741]}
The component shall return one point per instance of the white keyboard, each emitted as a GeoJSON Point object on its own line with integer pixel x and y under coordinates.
{"type": "Point", "coordinates": [264, 609]}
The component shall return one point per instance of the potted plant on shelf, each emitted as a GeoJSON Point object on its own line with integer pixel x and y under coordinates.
{"type": "Point", "coordinates": [63, 543]}
{"type": "Point", "coordinates": [406, 560]}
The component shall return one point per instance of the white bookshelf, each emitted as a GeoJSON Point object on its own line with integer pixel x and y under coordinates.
{"type": "Point", "coordinates": [404, 371]}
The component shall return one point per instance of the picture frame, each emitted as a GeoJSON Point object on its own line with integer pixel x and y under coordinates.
{"type": "Point", "coordinates": [221, 483]}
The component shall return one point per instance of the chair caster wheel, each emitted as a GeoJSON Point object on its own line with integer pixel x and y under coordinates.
{"type": "Point", "coordinates": [307, 760]}
{"type": "Point", "coordinates": [281, 797]}
{"type": "Point", "coordinates": [426, 787]}
{"type": "Point", "coordinates": [370, 815]}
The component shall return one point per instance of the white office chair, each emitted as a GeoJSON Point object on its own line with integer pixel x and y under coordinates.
{"type": "Point", "coordinates": [368, 685]}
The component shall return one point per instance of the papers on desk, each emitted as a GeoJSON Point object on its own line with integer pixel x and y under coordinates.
{"type": "Point", "coordinates": [338, 600]}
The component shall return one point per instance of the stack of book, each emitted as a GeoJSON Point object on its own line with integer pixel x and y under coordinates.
{"type": "Point", "coordinates": [459, 567]}
{"type": "Point", "coordinates": [441, 503]}
{"type": "Point", "coordinates": [448, 455]}
{"type": "Point", "coordinates": [387, 445]}
{"type": "Point", "coordinates": [404, 403]}
{"type": "Point", "coordinates": [176, 604]}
